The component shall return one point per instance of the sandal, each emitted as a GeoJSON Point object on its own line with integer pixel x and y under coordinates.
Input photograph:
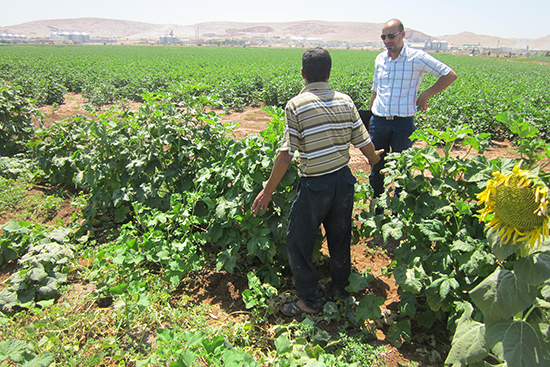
{"type": "Point", "coordinates": [293, 310]}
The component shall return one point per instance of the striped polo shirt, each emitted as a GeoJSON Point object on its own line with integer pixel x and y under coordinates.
{"type": "Point", "coordinates": [321, 124]}
{"type": "Point", "coordinates": [396, 82]}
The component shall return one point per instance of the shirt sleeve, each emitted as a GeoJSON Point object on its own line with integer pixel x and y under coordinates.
{"type": "Point", "coordinates": [434, 66]}
{"type": "Point", "coordinates": [291, 136]}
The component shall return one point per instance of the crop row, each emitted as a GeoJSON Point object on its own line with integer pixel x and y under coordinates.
{"type": "Point", "coordinates": [238, 77]}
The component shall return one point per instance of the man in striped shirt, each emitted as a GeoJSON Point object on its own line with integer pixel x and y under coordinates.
{"type": "Point", "coordinates": [398, 73]}
{"type": "Point", "coordinates": [321, 124]}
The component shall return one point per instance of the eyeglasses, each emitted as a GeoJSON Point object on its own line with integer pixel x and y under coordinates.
{"type": "Point", "coordinates": [390, 35]}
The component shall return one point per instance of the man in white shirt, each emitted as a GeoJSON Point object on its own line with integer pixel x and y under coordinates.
{"type": "Point", "coordinates": [398, 73]}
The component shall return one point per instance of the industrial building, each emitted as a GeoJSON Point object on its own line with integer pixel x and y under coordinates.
{"type": "Point", "coordinates": [74, 36]}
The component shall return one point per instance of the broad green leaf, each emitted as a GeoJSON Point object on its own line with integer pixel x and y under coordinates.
{"type": "Point", "coordinates": [478, 169]}
{"type": "Point", "coordinates": [399, 332]}
{"type": "Point", "coordinates": [60, 234]}
{"type": "Point", "coordinates": [501, 250]}
{"type": "Point", "coordinates": [407, 306]}
{"type": "Point", "coordinates": [410, 278]}
{"type": "Point", "coordinates": [502, 295]}
{"type": "Point", "coordinates": [43, 360]}
{"type": "Point", "coordinates": [121, 212]}
{"type": "Point", "coordinates": [392, 229]}
{"type": "Point", "coordinates": [13, 349]}
{"type": "Point", "coordinates": [533, 269]}
{"type": "Point", "coordinates": [48, 288]}
{"type": "Point", "coordinates": [143, 300]}
{"type": "Point", "coordinates": [165, 335]}
{"type": "Point", "coordinates": [238, 358]}
{"type": "Point", "coordinates": [516, 342]}
{"type": "Point", "coordinates": [468, 345]}
{"type": "Point", "coordinates": [37, 274]}
{"type": "Point", "coordinates": [434, 229]}
{"type": "Point", "coordinates": [25, 297]}
{"type": "Point", "coordinates": [426, 318]}
{"type": "Point", "coordinates": [314, 352]}
{"type": "Point", "coordinates": [118, 289]}
{"type": "Point", "coordinates": [249, 299]}
{"type": "Point", "coordinates": [545, 292]}
{"type": "Point", "coordinates": [358, 282]}
{"type": "Point", "coordinates": [282, 343]}
{"type": "Point", "coordinates": [194, 338]}
{"type": "Point", "coordinates": [369, 308]}
{"type": "Point", "coordinates": [447, 285]}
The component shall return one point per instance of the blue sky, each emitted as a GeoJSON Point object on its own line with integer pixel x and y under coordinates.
{"type": "Point", "coordinates": [503, 18]}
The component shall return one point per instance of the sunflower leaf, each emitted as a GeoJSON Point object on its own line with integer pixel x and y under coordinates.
{"type": "Point", "coordinates": [468, 342]}
{"type": "Point", "coordinates": [534, 269]}
{"type": "Point", "coordinates": [502, 295]}
{"type": "Point", "coordinates": [517, 342]}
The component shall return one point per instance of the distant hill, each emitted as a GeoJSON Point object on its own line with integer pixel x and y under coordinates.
{"type": "Point", "coordinates": [352, 32]}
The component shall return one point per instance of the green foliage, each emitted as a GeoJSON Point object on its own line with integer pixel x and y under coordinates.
{"type": "Point", "coordinates": [44, 256]}
{"type": "Point", "coordinates": [443, 252]}
{"type": "Point", "coordinates": [531, 148]}
{"type": "Point", "coordinates": [507, 299]}
{"type": "Point", "coordinates": [509, 296]}
{"type": "Point", "coordinates": [16, 126]}
{"type": "Point", "coordinates": [305, 344]}
{"type": "Point", "coordinates": [258, 296]}
{"type": "Point", "coordinates": [190, 348]}
{"type": "Point", "coordinates": [156, 240]}
{"type": "Point", "coordinates": [21, 353]}
{"type": "Point", "coordinates": [231, 78]}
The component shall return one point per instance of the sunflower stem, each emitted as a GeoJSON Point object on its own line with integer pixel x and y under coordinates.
{"type": "Point", "coordinates": [528, 313]}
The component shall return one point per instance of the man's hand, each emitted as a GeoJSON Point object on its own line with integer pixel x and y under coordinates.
{"type": "Point", "coordinates": [282, 161]}
{"type": "Point", "coordinates": [261, 202]}
{"type": "Point", "coordinates": [422, 100]}
{"type": "Point", "coordinates": [376, 158]}
{"type": "Point", "coordinates": [441, 83]}
{"type": "Point", "coordinates": [372, 156]}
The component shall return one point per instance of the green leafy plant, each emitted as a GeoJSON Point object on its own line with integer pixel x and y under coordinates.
{"type": "Point", "coordinates": [191, 348]}
{"type": "Point", "coordinates": [258, 297]}
{"type": "Point", "coordinates": [45, 265]}
{"type": "Point", "coordinates": [16, 113]}
{"type": "Point", "coordinates": [21, 353]}
{"type": "Point", "coordinates": [442, 252]}
{"type": "Point", "coordinates": [514, 298]}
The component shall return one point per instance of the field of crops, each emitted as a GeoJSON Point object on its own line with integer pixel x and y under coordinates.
{"type": "Point", "coordinates": [164, 194]}
{"type": "Point", "coordinates": [235, 77]}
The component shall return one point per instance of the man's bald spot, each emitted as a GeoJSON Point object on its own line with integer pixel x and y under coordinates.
{"type": "Point", "coordinates": [395, 22]}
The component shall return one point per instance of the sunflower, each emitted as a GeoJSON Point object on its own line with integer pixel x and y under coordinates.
{"type": "Point", "coordinates": [519, 202]}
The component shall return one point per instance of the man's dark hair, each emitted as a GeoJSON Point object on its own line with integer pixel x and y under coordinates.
{"type": "Point", "coordinates": [400, 26]}
{"type": "Point", "coordinates": [316, 64]}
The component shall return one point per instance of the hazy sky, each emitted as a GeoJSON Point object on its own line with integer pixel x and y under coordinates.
{"type": "Point", "coordinates": [503, 18]}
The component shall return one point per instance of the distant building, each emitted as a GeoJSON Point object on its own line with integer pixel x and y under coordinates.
{"type": "Point", "coordinates": [436, 45]}
{"type": "Point", "coordinates": [74, 36]}
{"type": "Point", "coordinates": [169, 39]}
{"type": "Point", "coordinates": [12, 38]}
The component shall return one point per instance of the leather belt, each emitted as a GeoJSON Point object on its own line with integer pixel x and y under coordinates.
{"type": "Point", "coordinates": [390, 117]}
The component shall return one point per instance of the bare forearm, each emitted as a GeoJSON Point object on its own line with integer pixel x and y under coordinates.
{"type": "Point", "coordinates": [280, 166]}
{"type": "Point", "coordinates": [441, 83]}
{"type": "Point", "coordinates": [370, 152]}
{"type": "Point", "coordinates": [372, 98]}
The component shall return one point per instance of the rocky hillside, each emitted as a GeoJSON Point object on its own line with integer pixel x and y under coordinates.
{"type": "Point", "coordinates": [353, 32]}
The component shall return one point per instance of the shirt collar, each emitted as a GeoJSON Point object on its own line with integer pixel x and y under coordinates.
{"type": "Point", "coordinates": [316, 86]}
{"type": "Point", "coordinates": [404, 51]}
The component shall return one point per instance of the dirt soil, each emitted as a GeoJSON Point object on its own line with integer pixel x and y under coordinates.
{"type": "Point", "coordinates": [223, 291]}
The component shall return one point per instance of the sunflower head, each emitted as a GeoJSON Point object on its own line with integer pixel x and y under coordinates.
{"type": "Point", "coordinates": [519, 201]}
